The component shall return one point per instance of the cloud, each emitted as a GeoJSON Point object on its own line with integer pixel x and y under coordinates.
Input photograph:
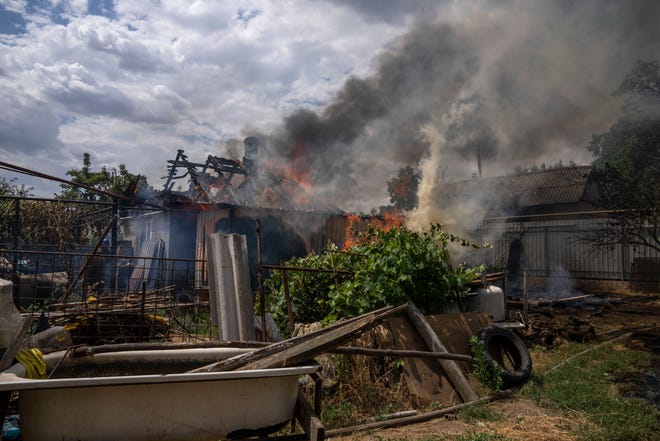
{"type": "Point", "coordinates": [394, 11]}
{"type": "Point", "coordinates": [76, 89]}
{"type": "Point", "coordinates": [15, 6]}
{"type": "Point", "coordinates": [27, 125]}
{"type": "Point", "coordinates": [124, 46]}
{"type": "Point", "coordinates": [72, 86]}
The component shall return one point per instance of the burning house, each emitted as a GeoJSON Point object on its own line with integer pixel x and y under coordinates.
{"type": "Point", "coordinates": [263, 201]}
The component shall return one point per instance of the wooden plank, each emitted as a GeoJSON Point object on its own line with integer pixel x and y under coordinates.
{"type": "Point", "coordinates": [311, 348]}
{"type": "Point", "coordinates": [317, 346]}
{"type": "Point", "coordinates": [239, 361]}
{"type": "Point", "coordinates": [302, 348]}
{"type": "Point", "coordinates": [309, 420]}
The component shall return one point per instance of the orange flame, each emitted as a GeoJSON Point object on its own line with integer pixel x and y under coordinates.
{"type": "Point", "coordinates": [300, 170]}
{"type": "Point", "coordinates": [293, 178]}
{"type": "Point", "coordinates": [356, 225]}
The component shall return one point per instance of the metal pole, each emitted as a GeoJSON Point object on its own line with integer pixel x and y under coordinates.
{"type": "Point", "coordinates": [89, 258]}
{"type": "Point", "coordinates": [260, 278]}
{"type": "Point", "coordinates": [287, 299]}
{"type": "Point", "coordinates": [525, 299]}
{"type": "Point", "coordinates": [17, 223]}
{"type": "Point", "coordinates": [115, 226]}
{"type": "Point", "coordinates": [113, 246]}
{"type": "Point", "coordinates": [17, 232]}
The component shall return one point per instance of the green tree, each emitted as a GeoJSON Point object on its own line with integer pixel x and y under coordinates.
{"type": "Point", "coordinates": [40, 222]}
{"type": "Point", "coordinates": [9, 187]}
{"type": "Point", "coordinates": [110, 180]}
{"type": "Point", "coordinates": [91, 219]}
{"type": "Point", "coordinates": [627, 164]}
{"type": "Point", "coordinates": [385, 268]}
{"type": "Point", "coordinates": [12, 188]}
{"type": "Point", "coordinates": [403, 188]}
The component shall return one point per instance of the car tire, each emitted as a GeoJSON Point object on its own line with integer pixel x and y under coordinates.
{"type": "Point", "coordinates": [504, 350]}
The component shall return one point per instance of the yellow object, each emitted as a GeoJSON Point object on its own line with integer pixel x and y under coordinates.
{"type": "Point", "coordinates": [33, 360]}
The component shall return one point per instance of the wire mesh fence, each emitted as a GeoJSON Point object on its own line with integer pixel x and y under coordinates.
{"type": "Point", "coordinates": [70, 267]}
{"type": "Point", "coordinates": [103, 298]}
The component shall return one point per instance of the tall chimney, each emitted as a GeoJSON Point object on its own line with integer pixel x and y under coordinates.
{"type": "Point", "coordinates": [479, 161]}
{"type": "Point", "coordinates": [251, 144]}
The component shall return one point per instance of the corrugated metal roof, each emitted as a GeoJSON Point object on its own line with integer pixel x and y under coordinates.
{"type": "Point", "coordinates": [548, 187]}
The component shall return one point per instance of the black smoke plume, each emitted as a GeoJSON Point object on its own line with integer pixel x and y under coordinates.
{"type": "Point", "coordinates": [534, 79]}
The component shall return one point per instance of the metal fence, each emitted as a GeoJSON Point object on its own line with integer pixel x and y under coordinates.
{"type": "Point", "coordinates": [69, 268]}
{"type": "Point", "coordinates": [558, 249]}
{"type": "Point", "coordinates": [105, 299]}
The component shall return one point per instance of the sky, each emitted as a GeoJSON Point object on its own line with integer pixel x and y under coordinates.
{"type": "Point", "coordinates": [346, 91]}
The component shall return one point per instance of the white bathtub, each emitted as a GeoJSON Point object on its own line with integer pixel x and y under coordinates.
{"type": "Point", "coordinates": [157, 405]}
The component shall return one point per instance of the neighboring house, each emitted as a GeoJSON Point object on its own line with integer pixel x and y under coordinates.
{"type": "Point", "coordinates": [536, 222]}
{"type": "Point", "coordinates": [562, 192]}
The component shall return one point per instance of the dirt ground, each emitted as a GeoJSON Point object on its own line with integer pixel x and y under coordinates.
{"type": "Point", "coordinates": [520, 419]}
{"type": "Point", "coordinates": [597, 317]}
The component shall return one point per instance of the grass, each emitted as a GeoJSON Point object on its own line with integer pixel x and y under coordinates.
{"type": "Point", "coordinates": [585, 386]}
{"type": "Point", "coordinates": [342, 414]}
{"type": "Point", "coordinates": [368, 388]}
{"type": "Point", "coordinates": [480, 412]}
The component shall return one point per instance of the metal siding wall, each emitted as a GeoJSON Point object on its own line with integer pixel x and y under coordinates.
{"type": "Point", "coordinates": [556, 244]}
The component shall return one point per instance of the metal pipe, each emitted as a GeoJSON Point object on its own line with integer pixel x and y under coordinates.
{"type": "Point", "coordinates": [84, 267]}
{"type": "Point", "coordinates": [260, 279]}
{"type": "Point", "coordinates": [16, 232]}
{"type": "Point", "coordinates": [64, 201]}
{"type": "Point", "coordinates": [26, 171]}
{"type": "Point", "coordinates": [356, 350]}
{"type": "Point", "coordinates": [419, 418]}
{"type": "Point", "coordinates": [525, 300]}
{"type": "Point", "coordinates": [118, 256]}
{"type": "Point", "coordinates": [293, 268]}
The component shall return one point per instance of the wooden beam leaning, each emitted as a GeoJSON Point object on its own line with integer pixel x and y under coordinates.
{"type": "Point", "coordinates": [88, 259]}
{"type": "Point", "coordinates": [454, 374]}
{"type": "Point", "coordinates": [343, 333]}
{"type": "Point", "coordinates": [305, 347]}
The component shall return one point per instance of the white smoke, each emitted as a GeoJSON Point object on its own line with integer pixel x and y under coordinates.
{"type": "Point", "coordinates": [428, 211]}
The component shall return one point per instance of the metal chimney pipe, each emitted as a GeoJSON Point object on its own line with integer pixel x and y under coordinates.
{"type": "Point", "coordinates": [251, 144]}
